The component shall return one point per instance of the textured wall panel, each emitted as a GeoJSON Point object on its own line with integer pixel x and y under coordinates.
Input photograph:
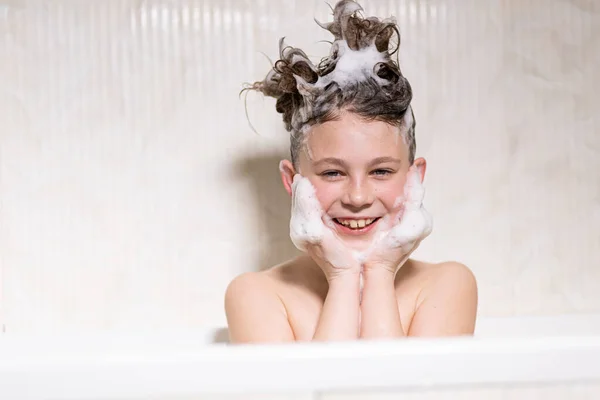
{"type": "Point", "coordinates": [132, 188]}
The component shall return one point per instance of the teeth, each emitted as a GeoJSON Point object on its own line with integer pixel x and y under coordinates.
{"type": "Point", "coordinates": [356, 223]}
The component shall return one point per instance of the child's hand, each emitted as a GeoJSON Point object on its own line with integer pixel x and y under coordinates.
{"type": "Point", "coordinates": [400, 237]}
{"type": "Point", "coordinates": [309, 232]}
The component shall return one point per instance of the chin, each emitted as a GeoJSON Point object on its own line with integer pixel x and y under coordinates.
{"type": "Point", "coordinates": [359, 243]}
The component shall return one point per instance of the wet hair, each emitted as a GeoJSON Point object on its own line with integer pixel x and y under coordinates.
{"type": "Point", "coordinates": [369, 85]}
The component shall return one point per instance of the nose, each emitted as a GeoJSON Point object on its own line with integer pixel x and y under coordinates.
{"type": "Point", "coordinates": [358, 194]}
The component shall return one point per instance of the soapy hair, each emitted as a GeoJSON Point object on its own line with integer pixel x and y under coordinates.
{"type": "Point", "coordinates": [358, 76]}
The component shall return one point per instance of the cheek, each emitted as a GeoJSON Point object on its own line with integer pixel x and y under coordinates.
{"type": "Point", "coordinates": [326, 193]}
{"type": "Point", "coordinates": [389, 191]}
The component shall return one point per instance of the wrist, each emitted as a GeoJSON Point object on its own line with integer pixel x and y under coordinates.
{"type": "Point", "coordinates": [344, 279]}
{"type": "Point", "coordinates": [378, 273]}
{"type": "Point", "coordinates": [379, 307]}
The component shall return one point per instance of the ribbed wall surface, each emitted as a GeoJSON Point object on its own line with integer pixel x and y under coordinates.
{"type": "Point", "coordinates": [132, 188]}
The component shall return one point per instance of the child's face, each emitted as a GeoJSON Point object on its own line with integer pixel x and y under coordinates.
{"type": "Point", "coordinates": [358, 169]}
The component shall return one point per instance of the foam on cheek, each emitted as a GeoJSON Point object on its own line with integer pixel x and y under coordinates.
{"type": "Point", "coordinates": [414, 192]}
{"type": "Point", "coordinates": [399, 200]}
{"type": "Point", "coordinates": [416, 222]}
{"type": "Point", "coordinates": [306, 225]}
{"type": "Point", "coordinates": [411, 228]}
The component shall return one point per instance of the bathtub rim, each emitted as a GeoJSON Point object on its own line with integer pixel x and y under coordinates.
{"type": "Point", "coordinates": [117, 366]}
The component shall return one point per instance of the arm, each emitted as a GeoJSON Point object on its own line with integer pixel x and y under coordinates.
{"type": "Point", "coordinates": [340, 312]}
{"type": "Point", "coordinates": [380, 317]}
{"type": "Point", "coordinates": [401, 236]}
{"type": "Point", "coordinates": [255, 312]}
{"type": "Point", "coordinates": [449, 305]}
{"type": "Point", "coordinates": [339, 316]}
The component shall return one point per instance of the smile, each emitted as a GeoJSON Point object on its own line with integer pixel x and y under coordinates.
{"type": "Point", "coordinates": [355, 223]}
{"type": "Point", "coordinates": [355, 226]}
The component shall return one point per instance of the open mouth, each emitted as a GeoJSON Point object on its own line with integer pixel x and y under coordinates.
{"type": "Point", "coordinates": [351, 225]}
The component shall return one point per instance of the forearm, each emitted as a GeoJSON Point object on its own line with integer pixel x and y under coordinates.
{"type": "Point", "coordinates": [380, 317]}
{"type": "Point", "coordinates": [340, 313]}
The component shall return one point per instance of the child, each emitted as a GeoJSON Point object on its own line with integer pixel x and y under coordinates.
{"type": "Point", "coordinates": [357, 209]}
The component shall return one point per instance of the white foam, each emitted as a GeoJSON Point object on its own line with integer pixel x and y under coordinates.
{"type": "Point", "coordinates": [309, 224]}
{"type": "Point", "coordinates": [306, 224]}
{"type": "Point", "coordinates": [414, 226]}
{"type": "Point", "coordinates": [353, 66]}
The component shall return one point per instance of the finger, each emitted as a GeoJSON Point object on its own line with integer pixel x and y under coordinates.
{"type": "Point", "coordinates": [306, 198]}
{"type": "Point", "coordinates": [398, 215]}
{"type": "Point", "coordinates": [336, 252]}
{"type": "Point", "coordinates": [311, 208]}
{"type": "Point", "coordinates": [332, 241]}
{"type": "Point", "coordinates": [414, 191]}
{"type": "Point", "coordinates": [294, 194]}
{"type": "Point", "coordinates": [408, 251]}
{"type": "Point", "coordinates": [295, 181]}
{"type": "Point", "coordinates": [306, 225]}
{"type": "Point", "coordinates": [298, 190]}
{"type": "Point", "coordinates": [411, 228]}
{"type": "Point", "coordinates": [386, 223]}
{"type": "Point", "coordinates": [428, 222]}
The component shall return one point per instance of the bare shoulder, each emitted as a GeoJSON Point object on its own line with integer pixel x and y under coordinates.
{"type": "Point", "coordinates": [446, 303]}
{"type": "Point", "coordinates": [448, 271]}
{"type": "Point", "coordinates": [302, 288]}
{"type": "Point", "coordinates": [453, 278]}
{"type": "Point", "coordinates": [246, 286]}
{"type": "Point", "coordinates": [296, 275]}
{"type": "Point", "coordinates": [285, 298]}
{"type": "Point", "coordinates": [428, 274]}
{"type": "Point", "coordinates": [251, 287]}
{"type": "Point", "coordinates": [254, 311]}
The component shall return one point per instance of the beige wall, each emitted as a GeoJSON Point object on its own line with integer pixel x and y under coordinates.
{"type": "Point", "coordinates": [132, 188]}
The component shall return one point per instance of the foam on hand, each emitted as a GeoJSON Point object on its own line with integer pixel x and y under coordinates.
{"type": "Point", "coordinates": [416, 223]}
{"type": "Point", "coordinates": [310, 225]}
{"type": "Point", "coordinates": [306, 224]}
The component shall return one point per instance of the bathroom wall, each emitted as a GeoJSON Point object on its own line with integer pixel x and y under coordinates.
{"type": "Point", "coordinates": [133, 188]}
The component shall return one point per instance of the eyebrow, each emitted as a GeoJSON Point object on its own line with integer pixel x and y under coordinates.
{"type": "Point", "coordinates": [330, 160]}
{"type": "Point", "coordinates": [340, 162]}
{"type": "Point", "coordinates": [381, 160]}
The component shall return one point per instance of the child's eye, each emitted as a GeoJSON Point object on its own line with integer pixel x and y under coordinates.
{"type": "Point", "coordinates": [382, 172]}
{"type": "Point", "coordinates": [331, 174]}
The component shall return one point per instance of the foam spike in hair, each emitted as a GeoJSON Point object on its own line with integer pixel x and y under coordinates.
{"type": "Point", "coordinates": [358, 75]}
